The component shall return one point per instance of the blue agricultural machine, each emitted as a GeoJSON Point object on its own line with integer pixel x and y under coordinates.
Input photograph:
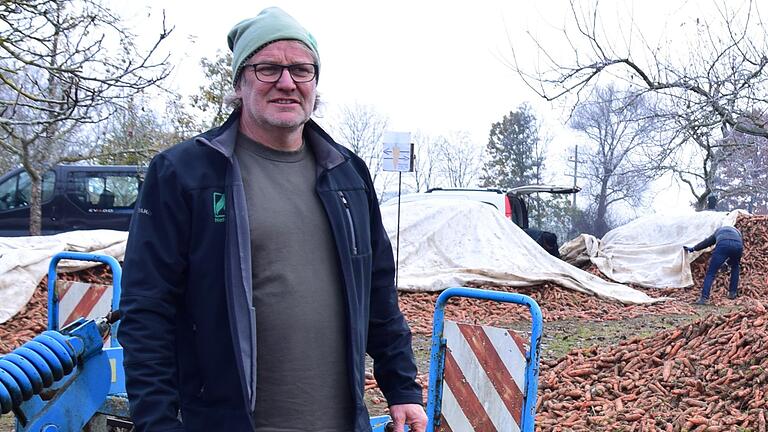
{"type": "Point", "coordinates": [71, 378]}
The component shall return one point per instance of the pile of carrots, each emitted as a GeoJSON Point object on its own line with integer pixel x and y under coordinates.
{"type": "Point", "coordinates": [556, 303]}
{"type": "Point", "coordinates": [32, 319]}
{"type": "Point", "coordinates": [27, 323]}
{"type": "Point", "coordinates": [710, 375]}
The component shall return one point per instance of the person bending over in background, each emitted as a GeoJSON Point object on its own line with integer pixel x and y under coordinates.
{"type": "Point", "coordinates": [258, 272]}
{"type": "Point", "coordinates": [728, 247]}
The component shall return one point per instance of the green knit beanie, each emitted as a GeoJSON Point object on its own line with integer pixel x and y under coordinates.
{"type": "Point", "coordinates": [270, 25]}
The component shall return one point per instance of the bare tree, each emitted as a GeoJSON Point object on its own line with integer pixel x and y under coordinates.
{"type": "Point", "coordinates": [709, 78]}
{"type": "Point", "coordinates": [742, 180]}
{"type": "Point", "coordinates": [181, 123]}
{"type": "Point", "coordinates": [210, 98]}
{"type": "Point", "coordinates": [425, 174]}
{"type": "Point", "coordinates": [619, 127]}
{"type": "Point", "coordinates": [722, 72]}
{"type": "Point", "coordinates": [458, 159]}
{"type": "Point", "coordinates": [361, 129]}
{"type": "Point", "coordinates": [695, 158]}
{"type": "Point", "coordinates": [66, 64]}
{"type": "Point", "coordinates": [8, 159]}
{"type": "Point", "coordinates": [132, 136]}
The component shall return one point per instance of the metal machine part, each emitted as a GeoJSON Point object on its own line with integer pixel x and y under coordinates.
{"type": "Point", "coordinates": [57, 380]}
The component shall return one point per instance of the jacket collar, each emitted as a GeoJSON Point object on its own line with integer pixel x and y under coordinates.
{"type": "Point", "coordinates": [326, 154]}
{"type": "Point", "coordinates": [224, 138]}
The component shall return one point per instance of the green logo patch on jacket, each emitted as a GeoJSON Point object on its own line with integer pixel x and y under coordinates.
{"type": "Point", "coordinates": [219, 207]}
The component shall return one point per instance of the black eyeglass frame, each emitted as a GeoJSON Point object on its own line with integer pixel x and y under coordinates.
{"type": "Point", "coordinates": [283, 68]}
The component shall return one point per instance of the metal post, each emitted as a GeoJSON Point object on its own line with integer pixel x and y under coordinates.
{"type": "Point", "coordinates": [397, 241]}
{"type": "Point", "coordinates": [575, 171]}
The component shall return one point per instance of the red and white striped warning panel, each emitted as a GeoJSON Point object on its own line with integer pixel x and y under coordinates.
{"type": "Point", "coordinates": [484, 379]}
{"type": "Point", "coordinates": [79, 299]}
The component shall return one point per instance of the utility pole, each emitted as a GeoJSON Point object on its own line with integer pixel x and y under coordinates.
{"type": "Point", "coordinates": [575, 174]}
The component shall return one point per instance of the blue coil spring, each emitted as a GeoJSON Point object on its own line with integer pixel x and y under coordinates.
{"type": "Point", "coordinates": [34, 366]}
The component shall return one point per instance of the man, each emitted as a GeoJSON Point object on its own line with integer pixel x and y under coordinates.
{"type": "Point", "coordinates": [728, 247]}
{"type": "Point", "coordinates": [258, 271]}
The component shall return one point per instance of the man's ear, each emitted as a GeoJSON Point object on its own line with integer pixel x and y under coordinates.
{"type": "Point", "coordinates": [239, 84]}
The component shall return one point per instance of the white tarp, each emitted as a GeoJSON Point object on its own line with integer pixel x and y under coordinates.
{"type": "Point", "coordinates": [24, 261]}
{"type": "Point", "coordinates": [445, 243]}
{"type": "Point", "coordinates": [649, 251]}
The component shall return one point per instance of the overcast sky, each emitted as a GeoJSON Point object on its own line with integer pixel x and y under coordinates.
{"type": "Point", "coordinates": [426, 65]}
{"type": "Point", "coordinates": [432, 66]}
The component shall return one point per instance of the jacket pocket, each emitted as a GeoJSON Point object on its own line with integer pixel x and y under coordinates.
{"type": "Point", "coordinates": [350, 222]}
{"type": "Point", "coordinates": [200, 390]}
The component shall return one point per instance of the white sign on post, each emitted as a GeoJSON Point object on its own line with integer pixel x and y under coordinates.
{"type": "Point", "coordinates": [398, 152]}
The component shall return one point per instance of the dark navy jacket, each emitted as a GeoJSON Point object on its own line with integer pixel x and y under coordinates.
{"type": "Point", "coordinates": [720, 234]}
{"type": "Point", "coordinates": [188, 326]}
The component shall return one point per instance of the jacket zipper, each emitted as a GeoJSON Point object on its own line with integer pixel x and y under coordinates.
{"type": "Point", "coordinates": [349, 218]}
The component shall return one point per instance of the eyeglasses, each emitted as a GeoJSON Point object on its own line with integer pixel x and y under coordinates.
{"type": "Point", "coordinates": [271, 72]}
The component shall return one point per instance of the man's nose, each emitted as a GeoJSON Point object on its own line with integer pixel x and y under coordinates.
{"type": "Point", "coordinates": [285, 80]}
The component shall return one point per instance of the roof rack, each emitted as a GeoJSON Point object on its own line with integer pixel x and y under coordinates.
{"type": "Point", "coordinates": [464, 190]}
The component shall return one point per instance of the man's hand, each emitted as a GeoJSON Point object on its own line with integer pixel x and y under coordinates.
{"type": "Point", "coordinates": [688, 249]}
{"type": "Point", "coordinates": [411, 414]}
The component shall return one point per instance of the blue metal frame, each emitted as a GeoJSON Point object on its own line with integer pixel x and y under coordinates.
{"type": "Point", "coordinates": [72, 400]}
{"type": "Point", "coordinates": [437, 355]}
{"type": "Point", "coordinates": [53, 300]}
{"type": "Point", "coordinates": [379, 423]}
